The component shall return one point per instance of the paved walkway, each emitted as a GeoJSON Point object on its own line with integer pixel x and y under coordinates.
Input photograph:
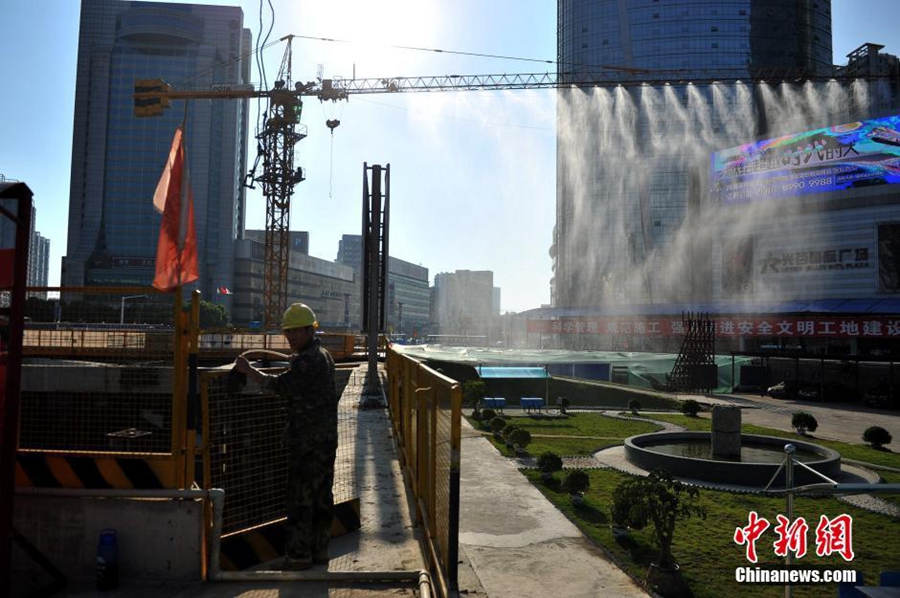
{"type": "Point", "coordinates": [517, 543]}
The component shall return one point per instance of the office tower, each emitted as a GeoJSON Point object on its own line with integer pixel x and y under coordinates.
{"type": "Point", "coordinates": [117, 158]}
{"type": "Point", "coordinates": [632, 160]}
{"type": "Point", "coordinates": [409, 297]}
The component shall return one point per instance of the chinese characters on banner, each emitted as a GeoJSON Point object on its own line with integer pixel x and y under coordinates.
{"type": "Point", "coordinates": [833, 536]}
{"type": "Point", "coordinates": [790, 327]}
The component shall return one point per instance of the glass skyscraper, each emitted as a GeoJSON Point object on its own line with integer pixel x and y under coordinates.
{"type": "Point", "coordinates": [117, 158]}
{"type": "Point", "coordinates": [631, 160]}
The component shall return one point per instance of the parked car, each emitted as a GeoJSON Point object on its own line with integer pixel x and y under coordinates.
{"type": "Point", "coordinates": [830, 391]}
{"type": "Point", "coordinates": [786, 389]}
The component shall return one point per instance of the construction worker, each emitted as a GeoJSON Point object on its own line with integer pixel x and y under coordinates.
{"type": "Point", "coordinates": [311, 434]}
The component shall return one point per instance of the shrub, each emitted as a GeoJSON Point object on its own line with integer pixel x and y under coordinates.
{"type": "Point", "coordinates": [576, 481]}
{"type": "Point", "coordinates": [488, 414]}
{"type": "Point", "coordinates": [658, 500]}
{"type": "Point", "coordinates": [634, 405]}
{"type": "Point", "coordinates": [520, 438]}
{"type": "Point", "coordinates": [508, 429]}
{"type": "Point", "coordinates": [497, 424]}
{"type": "Point", "coordinates": [877, 436]}
{"type": "Point", "coordinates": [549, 462]}
{"type": "Point", "coordinates": [803, 422]}
{"type": "Point", "coordinates": [690, 408]}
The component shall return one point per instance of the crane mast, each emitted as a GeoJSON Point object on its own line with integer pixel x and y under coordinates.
{"type": "Point", "coordinates": [280, 132]}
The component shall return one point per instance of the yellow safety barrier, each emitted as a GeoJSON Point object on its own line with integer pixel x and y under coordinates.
{"type": "Point", "coordinates": [104, 399]}
{"type": "Point", "coordinates": [426, 408]}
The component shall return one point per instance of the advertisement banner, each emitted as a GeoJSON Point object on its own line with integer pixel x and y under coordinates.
{"type": "Point", "coordinates": [857, 154]}
{"type": "Point", "coordinates": [729, 327]}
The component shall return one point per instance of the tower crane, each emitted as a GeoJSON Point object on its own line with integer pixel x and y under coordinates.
{"type": "Point", "coordinates": [282, 129]}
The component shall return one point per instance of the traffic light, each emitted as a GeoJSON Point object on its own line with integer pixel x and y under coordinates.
{"type": "Point", "coordinates": [151, 106]}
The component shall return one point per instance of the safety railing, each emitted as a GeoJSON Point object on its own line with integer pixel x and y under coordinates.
{"type": "Point", "coordinates": [426, 408]}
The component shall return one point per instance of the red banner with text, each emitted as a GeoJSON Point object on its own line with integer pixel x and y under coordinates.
{"type": "Point", "coordinates": [818, 327]}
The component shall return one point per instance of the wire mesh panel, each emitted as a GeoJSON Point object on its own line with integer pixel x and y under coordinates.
{"type": "Point", "coordinates": [448, 401]}
{"type": "Point", "coordinates": [248, 455]}
{"type": "Point", "coordinates": [93, 383]}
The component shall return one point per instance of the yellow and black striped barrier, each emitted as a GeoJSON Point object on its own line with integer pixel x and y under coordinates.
{"type": "Point", "coordinates": [243, 550]}
{"type": "Point", "coordinates": [42, 470]}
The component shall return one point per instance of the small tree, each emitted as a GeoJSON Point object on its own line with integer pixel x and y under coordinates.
{"type": "Point", "coordinates": [690, 408]}
{"type": "Point", "coordinates": [634, 405]}
{"type": "Point", "coordinates": [497, 424]}
{"type": "Point", "coordinates": [549, 462]}
{"type": "Point", "coordinates": [658, 500]}
{"type": "Point", "coordinates": [488, 414]}
{"type": "Point", "coordinates": [877, 436]}
{"type": "Point", "coordinates": [576, 482]}
{"type": "Point", "coordinates": [473, 393]}
{"type": "Point", "coordinates": [803, 422]}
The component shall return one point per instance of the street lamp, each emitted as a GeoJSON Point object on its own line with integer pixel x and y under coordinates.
{"type": "Point", "coordinates": [122, 309]}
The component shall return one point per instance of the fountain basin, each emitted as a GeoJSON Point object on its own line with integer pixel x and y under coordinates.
{"type": "Point", "coordinates": [760, 461]}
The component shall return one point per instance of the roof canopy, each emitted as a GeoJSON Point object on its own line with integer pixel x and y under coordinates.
{"type": "Point", "coordinates": [513, 372]}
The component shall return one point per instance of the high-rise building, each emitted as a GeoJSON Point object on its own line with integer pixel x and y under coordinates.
{"type": "Point", "coordinates": [350, 252]}
{"type": "Point", "coordinates": [631, 160]}
{"type": "Point", "coordinates": [328, 288]}
{"type": "Point", "coordinates": [668, 38]}
{"type": "Point", "coordinates": [38, 270]}
{"type": "Point", "coordinates": [297, 240]}
{"type": "Point", "coordinates": [117, 158]}
{"type": "Point", "coordinates": [408, 303]}
{"type": "Point", "coordinates": [718, 177]}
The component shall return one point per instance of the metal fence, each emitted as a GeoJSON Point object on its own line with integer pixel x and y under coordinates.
{"type": "Point", "coordinates": [425, 410]}
{"type": "Point", "coordinates": [245, 453]}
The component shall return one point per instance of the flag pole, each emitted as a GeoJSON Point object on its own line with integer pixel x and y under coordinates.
{"type": "Point", "coordinates": [183, 192]}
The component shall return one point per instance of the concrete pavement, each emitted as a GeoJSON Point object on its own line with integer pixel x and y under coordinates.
{"type": "Point", "coordinates": [517, 543]}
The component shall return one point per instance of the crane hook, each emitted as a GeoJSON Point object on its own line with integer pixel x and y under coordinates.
{"type": "Point", "coordinates": [332, 124]}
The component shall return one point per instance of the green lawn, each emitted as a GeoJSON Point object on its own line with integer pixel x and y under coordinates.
{"type": "Point", "coordinates": [706, 550]}
{"type": "Point", "coordinates": [599, 431]}
{"type": "Point", "coordinates": [858, 452]}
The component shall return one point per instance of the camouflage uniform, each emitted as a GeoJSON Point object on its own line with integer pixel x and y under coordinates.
{"type": "Point", "coordinates": [311, 435]}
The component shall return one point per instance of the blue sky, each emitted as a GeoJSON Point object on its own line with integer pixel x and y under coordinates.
{"type": "Point", "coordinates": [472, 173]}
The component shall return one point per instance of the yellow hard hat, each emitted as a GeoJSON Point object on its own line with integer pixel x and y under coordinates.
{"type": "Point", "coordinates": [298, 315]}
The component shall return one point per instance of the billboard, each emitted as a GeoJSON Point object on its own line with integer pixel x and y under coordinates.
{"type": "Point", "coordinates": [856, 154]}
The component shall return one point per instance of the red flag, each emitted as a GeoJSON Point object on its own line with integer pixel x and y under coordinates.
{"type": "Point", "coordinates": [176, 252]}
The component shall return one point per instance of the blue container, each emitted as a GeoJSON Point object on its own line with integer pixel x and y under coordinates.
{"type": "Point", "coordinates": [107, 560]}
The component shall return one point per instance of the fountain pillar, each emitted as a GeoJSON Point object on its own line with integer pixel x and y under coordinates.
{"type": "Point", "coordinates": [726, 432]}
